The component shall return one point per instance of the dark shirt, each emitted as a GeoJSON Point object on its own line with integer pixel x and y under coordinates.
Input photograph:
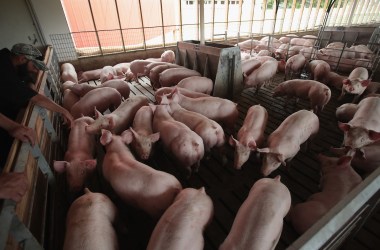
{"type": "Point", "coordinates": [14, 95]}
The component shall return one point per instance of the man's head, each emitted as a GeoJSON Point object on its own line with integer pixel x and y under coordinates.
{"type": "Point", "coordinates": [25, 52]}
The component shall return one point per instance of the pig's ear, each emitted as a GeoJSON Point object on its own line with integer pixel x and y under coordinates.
{"type": "Point", "coordinates": [263, 150]}
{"type": "Point", "coordinates": [344, 161]}
{"type": "Point", "coordinates": [277, 178]}
{"type": "Point", "coordinates": [346, 81]}
{"type": "Point", "coordinates": [110, 76]}
{"type": "Point", "coordinates": [232, 141]}
{"type": "Point", "coordinates": [344, 126]}
{"type": "Point", "coordinates": [60, 166]}
{"type": "Point", "coordinates": [90, 164]}
{"type": "Point", "coordinates": [127, 136]}
{"type": "Point", "coordinates": [154, 137]}
{"type": "Point", "coordinates": [365, 83]}
{"type": "Point", "coordinates": [106, 137]}
{"type": "Point", "coordinates": [97, 113]}
{"type": "Point", "coordinates": [373, 135]}
{"type": "Point", "coordinates": [164, 100]}
{"type": "Point", "coordinates": [281, 159]}
{"type": "Point", "coordinates": [252, 144]}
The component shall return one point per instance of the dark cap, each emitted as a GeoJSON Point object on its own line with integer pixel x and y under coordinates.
{"type": "Point", "coordinates": [39, 64]}
{"type": "Point", "coordinates": [28, 50]}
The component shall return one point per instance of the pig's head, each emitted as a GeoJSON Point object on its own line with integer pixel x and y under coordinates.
{"type": "Point", "coordinates": [356, 137]}
{"type": "Point", "coordinates": [101, 122]}
{"type": "Point", "coordinates": [168, 56]}
{"type": "Point", "coordinates": [355, 86]}
{"type": "Point", "coordinates": [77, 172]}
{"type": "Point", "coordinates": [141, 144]}
{"type": "Point", "coordinates": [278, 91]}
{"type": "Point", "coordinates": [331, 164]}
{"type": "Point", "coordinates": [242, 152]}
{"type": "Point", "coordinates": [271, 161]}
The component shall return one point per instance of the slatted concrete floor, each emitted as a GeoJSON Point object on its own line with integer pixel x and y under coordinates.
{"type": "Point", "coordinates": [228, 187]}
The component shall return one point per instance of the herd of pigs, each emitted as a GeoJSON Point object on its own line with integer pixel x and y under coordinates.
{"type": "Point", "coordinates": [189, 123]}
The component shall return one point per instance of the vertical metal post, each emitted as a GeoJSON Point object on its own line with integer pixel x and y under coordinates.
{"type": "Point", "coordinates": [283, 15]}
{"type": "Point", "coordinates": [213, 20]}
{"type": "Point", "coordinates": [227, 12]}
{"type": "Point", "coordinates": [180, 19]}
{"type": "Point", "coordinates": [352, 11]}
{"type": "Point", "coordinates": [202, 21]}
{"type": "Point", "coordinates": [162, 23]}
{"type": "Point", "coordinates": [118, 19]}
{"type": "Point", "coordinates": [263, 20]}
{"type": "Point", "coordinates": [240, 11]}
{"type": "Point", "coordinates": [96, 30]}
{"type": "Point", "coordinates": [142, 24]}
{"type": "Point", "coordinates": [252, 14]}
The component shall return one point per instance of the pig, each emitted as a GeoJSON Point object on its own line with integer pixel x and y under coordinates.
{"type": "Point", "coordinates": [264, 59]}
{"type": "Point", "coordinates": [308, 52]}
{"type": "Point", "coordinates": [281, 52]}
{"type": "Point", "coordinates": [151, 65]}
{"type": "Point", "coordinates": [319, 70]}
{"type": "Point", "coordinates": [154, 74]}
{"type": "Point", "coordinates": [356, 83]}
{"type": "Point", "coordinates": [335, 45]}
{"type": "Point", "coordinates": [318, 93]}
{"type": "Point", "coordinates": [210, 131]}
{"type": "Point", "coordinates": [169, 90]}
{"type": "Point", "coordinates": [337, 180]}
{"type": "Point", "coordinates": [89, 75]}
{"type": "Point", "coordinates": [264, 52]}
{"type": "Point", "coordinates": [168, 56]}
{"type": "Point", "coordinates": [79, 162]}
{"type": "Point", "coordinates": [171, 77]}
{"type": "Point", "coordinates": [250, 135]}
{"type": "Point", "coordinates": [261, 75]}
{"type": "Point", "coordinates": [281, 66]}
{"type": "Point", "coordinates": [259, 221]}
{"type": "Point", "coordinates": [197, 83]}
{"type": "Point", "coordinates": [137, 67]}
{"type": "Point", "coordinates": [89, 223]}
{"type": "Point", "coordinates": [120, 85]}
{"type": "Point", "coordinates": [178, 139]}
{"type": "Point", "coordinates": [365, 159]}
{"type": "Point", "coordinates": [248, 66]}
{"type": "Point", "coordinates": [218, 109]}
{"type": "Point", "coordinates": [107, 73]}
{"type": "Point", "coordinates": [364, 128]}
{"type": "Point", "coordinates": [69, 99]}
{"type": "Point", "coordinates": [261, 47]}
{"type": "Point", "coordinates": [346, 112]}
{"type": "Point", "coordinates": [68, 73]}
{"type": "Point", "coordinates": [362, 51]}
{"type": "Point", "coordinates": [135, 183]}
{"type": "Point", "coordinates": [102, 99]}
{"type": "Point", "coordinates": [183, 223]}
{"type": "Point", "coordinates": [298, 41]}
{"type": "Point", "coordinates": [372, 88]}
{"type": "Point", "coordinates": [284, 143]}
{"type": "Point", "coordinates": [294, 66]}
{"type": "Point", "coordinates": [140, 136]}
{"type": "Point", "coordinates": [248, 44]}
{"type": "Point", "coordinates": [121, 68]}
{"type": "Point", "coordinates": [120, 119]}
{"type": "Point", "coordinates": [294, 50]}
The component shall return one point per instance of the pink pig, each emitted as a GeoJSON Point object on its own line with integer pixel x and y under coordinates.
{"type": "Point", "coordinates": [68, 73]}
{"type": "Point", "coordinates": [183, 223]}
{"type": "Point", "coordinates": [154, 74]}
{"type": "Point", "coordinates": [137, 67]}
{"type": "Point", "coordinates": [294, 66]}
{"type": "Point", "coordinates": [168, 56]}
{"type": "Point", "coordinates": [89, 75]}
{"type": "Point", "coordinates": [346, 112]}
{"type": "Point", "coordinates": [102, 99]}
{"type": "Point", "coordinates": [79, 160]}
{"type": "Point", "coordinates": [262, 75]}
{"type": "Point", "coordinates": [356, 83]}
{"type": "Point", "coordinates": [135, 183]}
{"type": "Point", "coordinates": [218, 109]}
{"type": "Point", "coordinates": [319, 70]}
{"type": "Point", "coordinates": [107, 73]}
{"type": "Point", "coordinates": [197, 83]}
{"type": "Point", "coordinates": [171, 77]}
{"type": "Point", "coordinates": [250, 135]}
{"type": "Point", "coordinates": [120, 119]}
{"type": "Point", "coordinates": [118, 84]}
{"type": "Point", "coordinates": [364, 128]}
{"type": "Point", "coordinates": [284, 143]}
{"type": "Point", "coordinates": [338, 179]}
{"type": "Point", "coordinates": [248, 66]}
{"type": "Point", "coordinates": [95, 213]}
{"type": "Point", "coordinates": [318, 93]}
{"type": "Point", "coordinates": [259, 221]}
{"type": "Point", "coordinates": [334, 80]}
{"type": "Point", "coordinates": [210, 131]}
{"type": "Point", "coordinates": [69, 99]}
{"type": "Point", "coordinates": [169, 91]}
{"type": "Point", "coordinates": [140, 136]}
{"type": "Point", "coordinates": [183, 143]}
{"type": "Point", "coordinates": [151, 65]}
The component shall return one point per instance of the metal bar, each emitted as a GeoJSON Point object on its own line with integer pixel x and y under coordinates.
{"type": "Point", "coordinates": [240, 12]}
{"type": "Point", "coordinates": [333, 19]}
{"type": "Point", "coordinates": [22, 235]}
{"type": "Point", "coordinates": [283, 16]}
{"type": "Point", "coordinates": [323, 17]}
{"type": "Point", "coordinates": [142, 24]}
{"type": "Point", "coordinates": [227, 13]}
{"type": "Point", "coordinates": [292, 14]}
{"type": "Point", "coordinates": [359, 11]}
{"type": "Point", "coordinates": [180, 19]}
{"type": "Point", "coordinates": [352, 12]}
{"type": "Point", "coordinates": [309, 13]}
{"type": "Point", "coordinates": [252, 14]}
{"type": "Point", "coordinates": [264, 10]}
{"type": "Point", "coordinates": [375, 13]}
{"type": "Point", "coordinates": [47, 123]}
{"type": "Point", "coordinates": [162, 24]}
{"type": "Point", "coordinates": [316, 13]}
{"type": "Point", "coordinates": [301, 14]}
{"type": "Point", "coordinates": [365, 12]}
{"type": "Point", "coordinates": [213, 21]}
{"type": "Point", "coordinates": [343, 11]}
{"type": "Point", "coordinates": [367, 17]}
{"type": "Point", "coordinates": [121, 30]}
{"type": "Point", "coordinates": [96, 30]}
{"type": "Point", "coordinates": [202, 21]}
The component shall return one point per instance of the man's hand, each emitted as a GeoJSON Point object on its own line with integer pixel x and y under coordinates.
{"type": "Point", "coordinates": [13, 186]}
{"type": "Point", "coordinates": [24, 134]}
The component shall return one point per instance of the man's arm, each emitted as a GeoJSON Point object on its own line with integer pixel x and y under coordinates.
{"type": "Point", "coordinates": [45, 102]}
{"type": "Point", "coordinates": [17, 130]}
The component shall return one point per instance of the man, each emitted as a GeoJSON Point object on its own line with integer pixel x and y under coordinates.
{"type": "Point", "coordinates": [14, 185]}
{"type": "Point", "coordinates": [15, 92]}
